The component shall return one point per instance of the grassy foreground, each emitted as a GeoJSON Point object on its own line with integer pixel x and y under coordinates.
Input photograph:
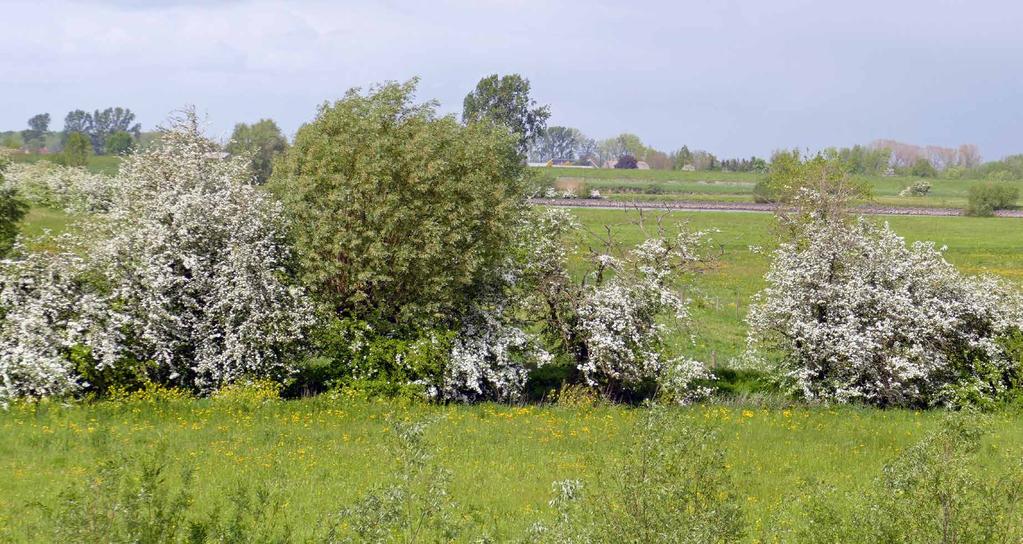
{"type": "Point", "coordinates": [309, 458]}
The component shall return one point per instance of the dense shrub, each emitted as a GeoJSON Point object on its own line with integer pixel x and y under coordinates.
{"type": "Point", "coordinates": [187, 272]}
{"type": "Point", "coordinates": [923, 168]}
{"type": "Point", "coordinates": [763, 193]}
{"type": "Point", "coordinates": [46, 310]}
{"type": "Point", "coordinates": [985, 198]}
{"type": "Point", "coordinates": [399, 215]}
{"type": "Point", "coordinates": [918, 188]}
{"type": "Point", "coordinates": [858, 315]}
{"type": "Point", "coordinates": [611, 326]}
{"type": "Point", "coordinates": [627, 162]}
{"type": "Point", "coordinates": [77, 149]}
{"type": "Point", "coordinates": [12, 210]}
{"type": "Point", "coordinates": [68, 188]}
{"type": "Point", "coordinates": [195, 257]}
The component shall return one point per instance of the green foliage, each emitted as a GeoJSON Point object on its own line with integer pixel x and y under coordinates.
{"type": "Point", "coordinates": [353, 353]}
{"type": "Point", "coordinates": [985, 198]}
{"type": "Point", "coordinates": [930, 493]}
{"type": "Point", "coordinates": [671, 487]}
{"type": "Point", "coordinates": [104, 380]}
{"type": "Point", "coordinates": [399, 215]}
{"type": "Point", "coordinates": [414, 507]}
{"type": "Point", "coordinates": [77, 150]}
{"type": "Point", "coordinates": [505, 100]}
{"type": "Point", "coordinates": [119, 143]}
{"type": "Point", "coordinates": [12, 141]}
{"type": "Point", "coordinates": [34, 136]}
{"type": "Point", "coordinates": [626, 162]}
{"type": "Point", "coordinates": [923, 168]}
{"type": "Point", "coordinates": [817, 188]}
{"type": "Point", "coordinates": [763, 193]}
{"type": "Point", "coordinates": [859, 159]}
{"type": "Point", "coordinates": [1007, 169]}
{"type": "Point", "coordinates": [12, 211]}
{"type": "Point", "coordinates": [263, 142]}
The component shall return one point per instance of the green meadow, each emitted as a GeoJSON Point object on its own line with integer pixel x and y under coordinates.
{"type": "Point", "coordinates": [738, 186]}
{"type": "Point", "coordinates": [288, 466]}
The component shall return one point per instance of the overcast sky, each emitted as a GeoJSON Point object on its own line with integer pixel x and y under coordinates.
{"type": "Point", "coordinates": [733, 77]}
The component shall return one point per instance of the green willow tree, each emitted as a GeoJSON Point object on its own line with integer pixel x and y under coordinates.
{"type": "Point", "coordinates": [506, 101]}
{"type": "Point", "coordinates": [399, 215]}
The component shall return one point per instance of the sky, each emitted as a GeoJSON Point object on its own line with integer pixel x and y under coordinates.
{"type": "Point", "coordinates": [733, 77]}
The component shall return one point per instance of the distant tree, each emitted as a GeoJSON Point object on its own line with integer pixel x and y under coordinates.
{"type": "Point", "coordinates": [119, 143]}
{"type": "Point", "coordinates": [942, 158]}
{"type": "Point", "coordinates": [969, 156]}
{"type": "Point", "coordinates": [627, 162]}
{"type": "Point", "coordinates": [76, 122]}
{"type": "Point", "coordinates": [100, 124]}
{"type": "Point", "coordinates": [681, 158]}
{"type": "Point", "coordinates": [658, 160]}
{"type": "Point", "coordinates": [588, 150]}
{"type": "Point", "coordinates": [38, 126]}
{"type": "Point", "coordinates": [12, 142]}
{"type": "Point", "coordinates": [557, 143]}
{"type": "Point", "coordinates": [703, 160]}
{"type": "Point", "coordinates": [263, 142]}
{"type": "Point", "coordinates": [923, 168]}
{"type": "Point", "coordinates": [77, 149]}
{"type": "Point", "coordinates": [506, 101]}
{"type": "Point", "coordinates": [624, 144]}
{"type": "Point", "coordinates": [110, 121]}
{"type": "Point", "coordinates": [12, 210]}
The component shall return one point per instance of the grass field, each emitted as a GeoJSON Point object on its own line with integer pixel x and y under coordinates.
{"type": "Point", "coordinates": [309, 458]}
{"type": "Point", "coordinates": [100, 164]}
{"type": "Point", "coordinates": [738, 186]}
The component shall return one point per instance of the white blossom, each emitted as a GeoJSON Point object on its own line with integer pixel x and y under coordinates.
{"type": "Point", "coordinates": [196, 255]}
{"type": "Point", "coordinates": [187, 270]}
{"type": "Point", "coordinates": [72, 189]}
{"type": "Point", "coordinates": [859, 315]}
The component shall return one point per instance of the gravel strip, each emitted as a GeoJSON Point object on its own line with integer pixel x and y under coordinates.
{"type": "Point", "coordinates": [699, 205]}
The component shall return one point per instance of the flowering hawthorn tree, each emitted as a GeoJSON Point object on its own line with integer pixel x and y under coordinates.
{"type": "Point", "coordinates": [858, 314]}
{"type": "Point", "coordinates": [491, 355]}
{"type": "Point", "coordinates": [46, 310]}
{"type": "Point", "coordinates": [612, 322]}
{"type": "Point", "coordinates": [196, 257]}
{"type": "Point", "coordinates": [187, 272]}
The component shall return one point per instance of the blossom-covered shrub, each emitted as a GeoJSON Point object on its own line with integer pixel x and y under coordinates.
{"type": "Point", "coordinates": [491, 356]}
{"type": "Point", "coordinates": [612, 324]}
{"type": "Point", "coordinates": [918, 188]}
{"type": "Point", "coordinates": [859, 315]}
{"type": "Point", "coordinates": [186, 273]}
{"type": "Point", "coordinates": [46, 311]}
{"type": "Point", "coordinates": [196, 258]}
{"type": "Point", "coordinates": [69, 188]}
